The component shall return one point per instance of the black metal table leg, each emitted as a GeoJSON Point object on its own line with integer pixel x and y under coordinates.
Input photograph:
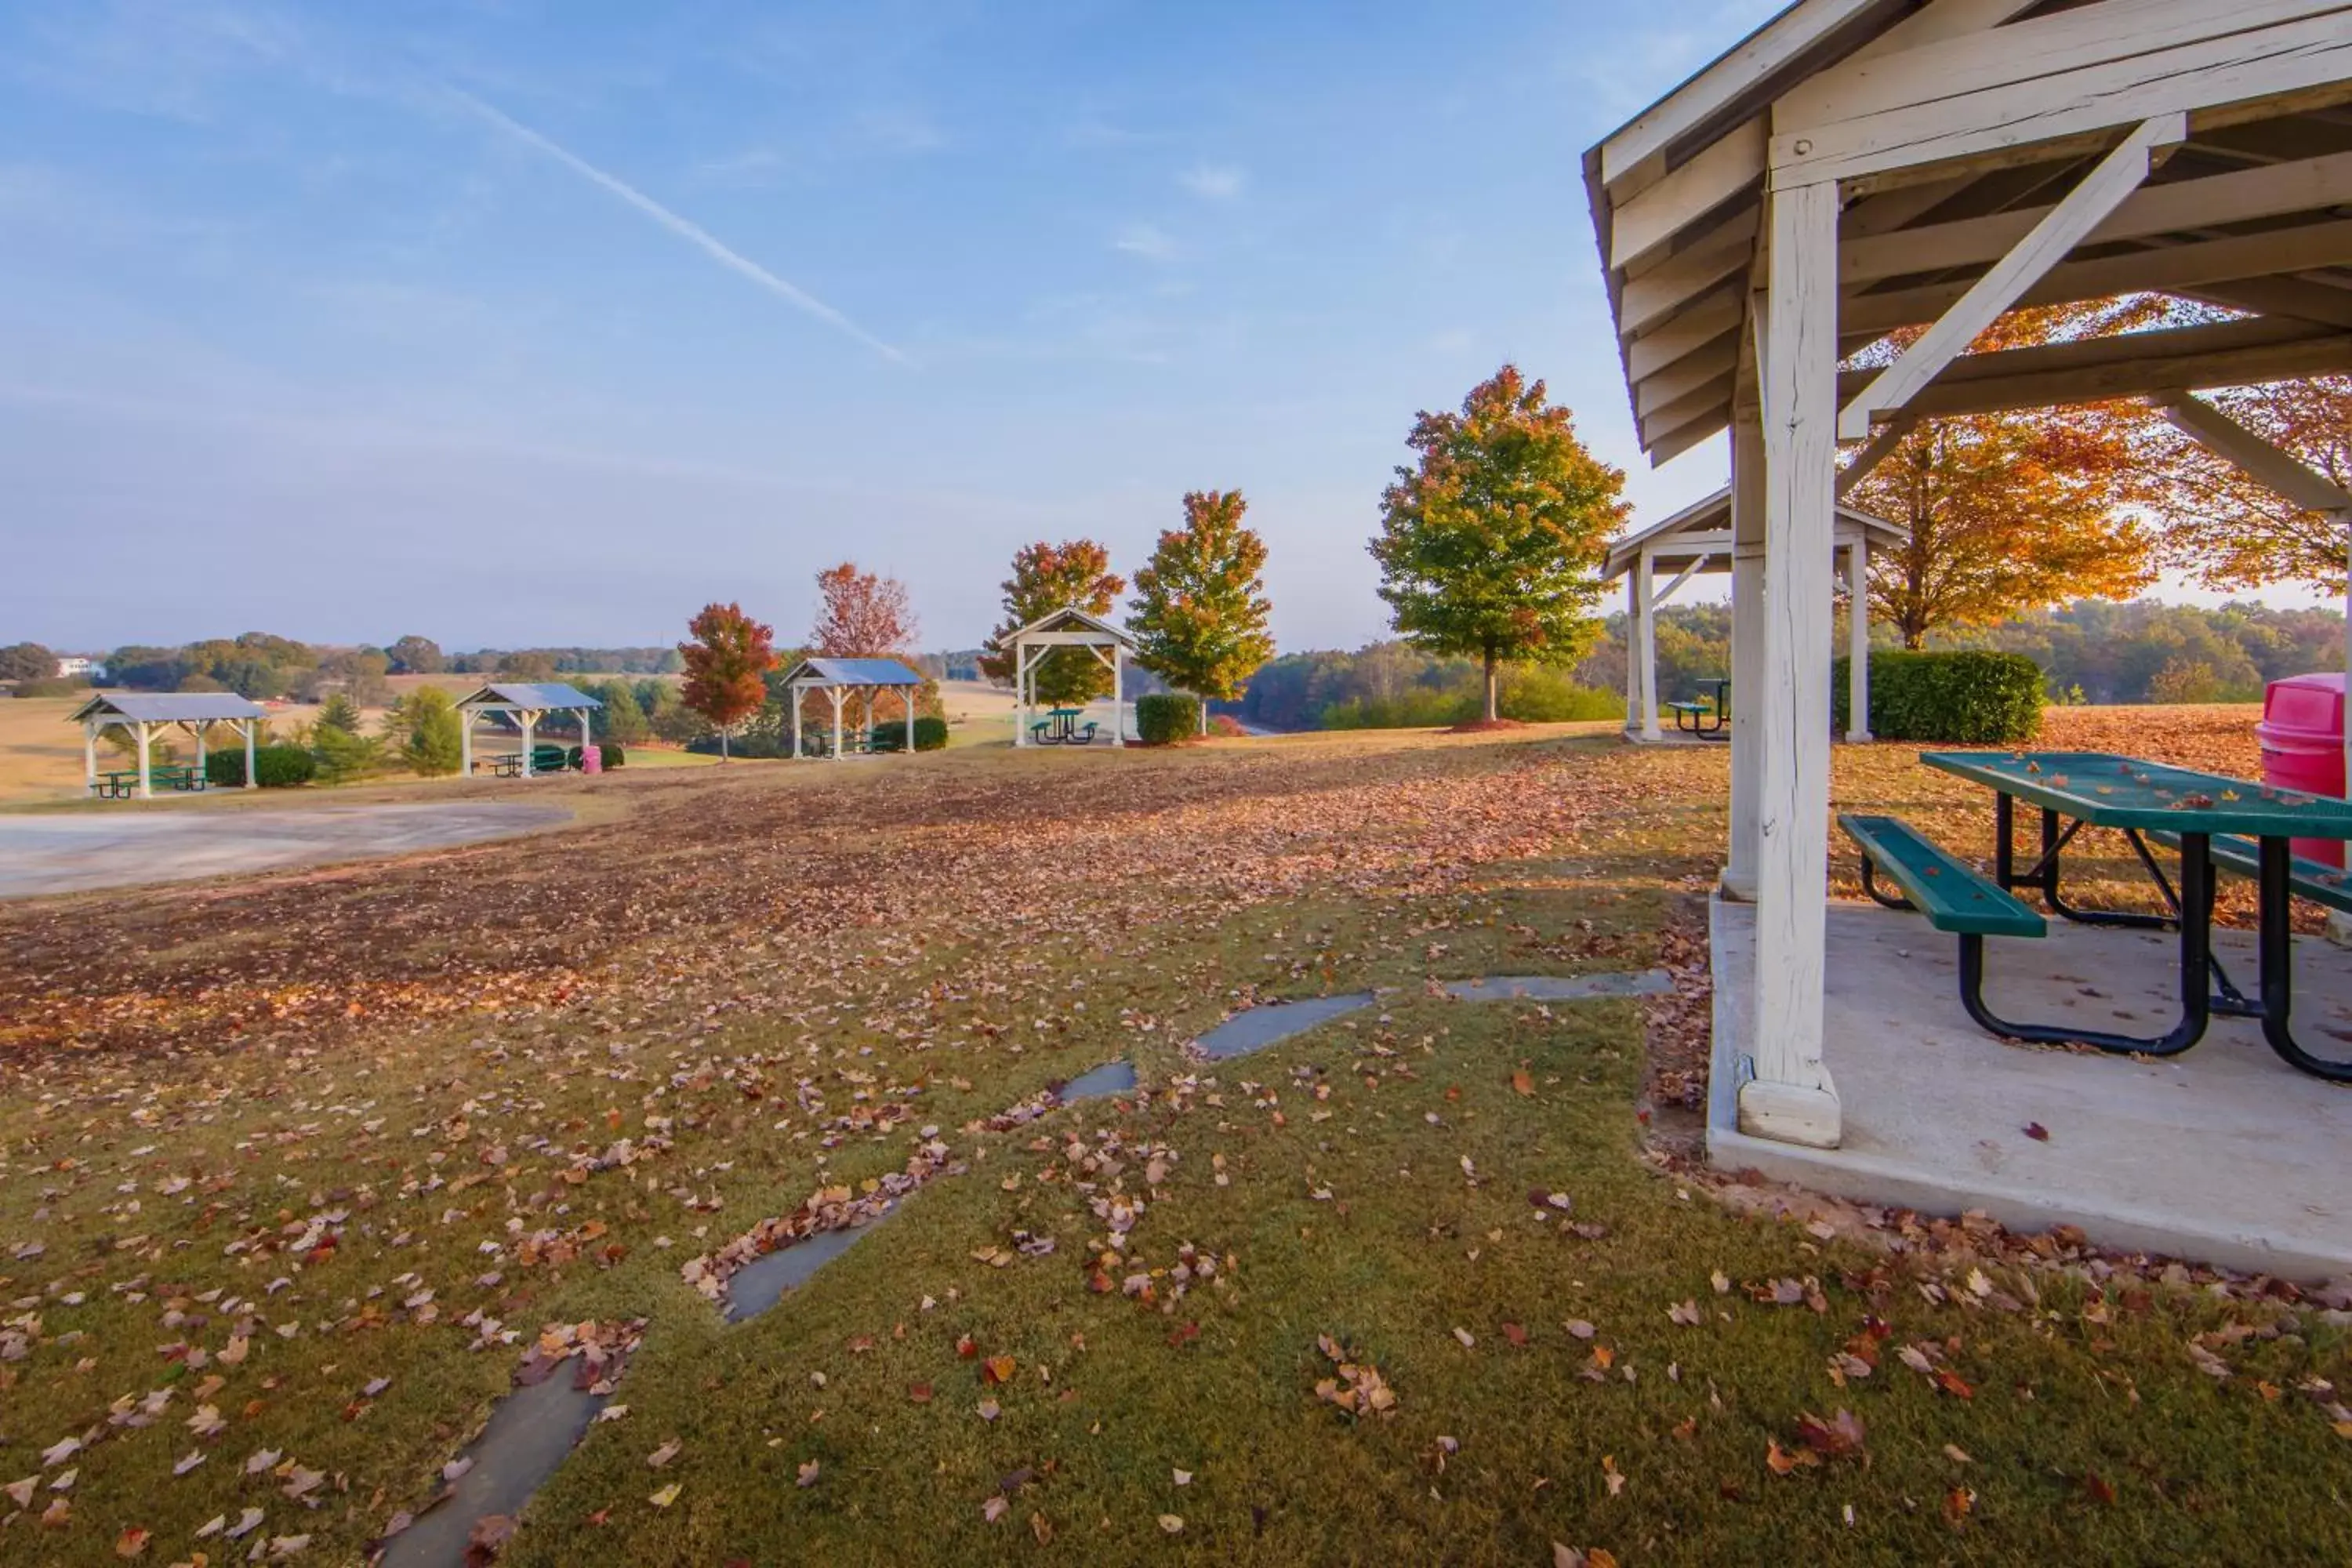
{"type": "Point", "coordinates": [2274, 901]}
{"type": "Point", "coordinates": [2004, 824]}
{"type": "Point", "coordinates": [2045, 877]}
{"type": "Point", "coordinates": [2196, 957]}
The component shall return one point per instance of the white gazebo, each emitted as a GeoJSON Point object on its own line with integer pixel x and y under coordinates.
{"type": "Point", "coordinates": [1069, 627]}
{"type": "Point", "coordinates": [1853, 167]}
{"type": "Point", "coordinates": [838, 679]}
{"type": "Point", "coordinates": [1696, 540]}
{"type": "Point", "coordinates": [525, 703]}
{"type": "Point", "coordinates": [142, 714]}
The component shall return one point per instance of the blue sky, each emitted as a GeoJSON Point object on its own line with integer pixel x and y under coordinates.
{"type": "Point", "coordinates": [519, 322]}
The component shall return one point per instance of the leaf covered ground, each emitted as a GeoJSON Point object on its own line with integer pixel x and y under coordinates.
{"type": "Point", "coordinates": [296, 1172]}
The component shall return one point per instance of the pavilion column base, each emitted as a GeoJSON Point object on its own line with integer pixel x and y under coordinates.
{"type": "Point", "coordinates": [1739, 886]}
{"type": "Point", "coordinates": [1791, 1113]}
{"type": "Point", "coordinates": [1859, 737]}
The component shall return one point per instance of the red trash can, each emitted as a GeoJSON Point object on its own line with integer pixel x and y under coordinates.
{"type": "Point", "coordinates": [2302, 735]}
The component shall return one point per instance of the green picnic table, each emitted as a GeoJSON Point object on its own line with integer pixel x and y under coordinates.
{"type": "Point", "coordinates": [2212, 821]}
{"type": "Point", "coordinates": [123, 783]}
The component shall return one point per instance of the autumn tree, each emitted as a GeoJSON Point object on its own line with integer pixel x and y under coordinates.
{"type": "Point", "coordinates": [861, 614]}
{"type": "Point", "coordinates": [726, 657]}
{"type": "Point", "coordinates": [2229, 530]}
{"type": "Point", "coordinates": [1493, 546]}
{"type": "Point", "coordinates": [2017, 512]}
{"type": "Point", "coordinates": [1200, 609]}
{"type": "Point", "coordinates": [1048, 577]}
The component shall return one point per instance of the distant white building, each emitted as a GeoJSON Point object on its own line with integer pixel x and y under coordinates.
{"type": "Point", "coordinates": [72, 665]}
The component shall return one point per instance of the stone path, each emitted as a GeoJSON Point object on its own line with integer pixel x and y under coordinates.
{"type": "Point", "coordinates": [533, 1429]}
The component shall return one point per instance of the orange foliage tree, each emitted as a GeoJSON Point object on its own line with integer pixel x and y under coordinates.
{"type": "Point", "coordinates": [728, 654]}
{"type": "Point", "coordinates": [2009, 512]}
{"type": "Point", "coordinates": [2230, 531]}
{"type": "Point", "coordinates": [1049, 577]}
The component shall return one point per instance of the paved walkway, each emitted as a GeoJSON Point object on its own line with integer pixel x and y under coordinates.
{"type": "Point", "coordinates": [42, 854]}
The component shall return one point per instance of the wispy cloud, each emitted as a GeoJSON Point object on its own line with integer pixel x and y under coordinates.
{"type": "Point", "coordinates": [1213, 182]}
{"type": "Point", "coordinates": [694, 234]}
{"type": "Point", "coordinates": [1145, 240]}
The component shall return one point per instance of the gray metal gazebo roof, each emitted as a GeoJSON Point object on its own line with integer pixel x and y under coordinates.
{"type": "Point", "coordinates": [169, 707]}
{"type": "Point", "coordinates": [529, 697]}
{"type": "Point", "coordinates": [822, 672]}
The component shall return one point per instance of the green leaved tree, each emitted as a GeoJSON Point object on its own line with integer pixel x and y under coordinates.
{"type": "Point", "coordinates": [1049, 577]}
{"type": "Point", "coordinates": [1493, 546]}
{"type": "Point", "coordinates": [1200, 606]}
{"type": "Point", "coordinates": [434, 742]}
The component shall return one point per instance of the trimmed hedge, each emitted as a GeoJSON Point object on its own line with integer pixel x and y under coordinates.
{"type": "Point", "coordinates": [1166, 717]}
{"type": "Point", "coordinates": [610, 754]}
{"type": "Point", "coordinates": [930, 734]}
{"type": "Point", "coordinates": [274, 767]}
{"type": "Point", "coordinates": [1969, 697]}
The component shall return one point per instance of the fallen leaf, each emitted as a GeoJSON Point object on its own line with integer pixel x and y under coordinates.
{"type": "Point", "coordinates": [667, 1496]}
{"type": "Point", "coordinates": [1521, 1083]}
{"type": "Point", "coordinates": [1183, 1478]}
{"type": "Point", "coordinates": [1609, 1474]}
{"type": "Point", "coordinates": [2035, 1131]}
{"type": "Point", "coordinates": [997, 1369]}
{"type": "Point", "coordinates": [665, 1454]}
{"type": "Point", "coordinates": [1172, 1524]}
{"type": "Point", "coordinates": [994, 1508]}
{"type": "Point", "coordinates": [808, 1474]}
{"type": "Point", "coordinates": [131, 1542]}
{"type": "Point", "coordinates": [1463, 1335]}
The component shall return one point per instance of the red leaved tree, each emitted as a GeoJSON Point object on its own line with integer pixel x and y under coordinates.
{"type": "Point", "coordinates": [861, 614]}
{"type": "Point", "coordinates": [728, 654]}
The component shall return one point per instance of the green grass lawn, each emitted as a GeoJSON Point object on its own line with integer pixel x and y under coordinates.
{"type": "Point", "coordinates": [294, 1199]}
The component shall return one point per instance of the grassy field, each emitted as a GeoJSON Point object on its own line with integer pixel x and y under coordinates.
{"type": "Point", "coordinates": [41, 758]}
{"type": "Point", "coordinates": [294, 1170]}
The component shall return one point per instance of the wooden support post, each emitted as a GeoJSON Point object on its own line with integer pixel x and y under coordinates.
{"type": "Point", "coordinates": [1649, 646]}
{"type": "Point", "coordinates": [146, 785]}
{"type": "Point", "coordinates": [909, 693]}
{"type": "Point", "coordinates": [252, 779]}
{"type": "Point", "coordinates": [90, 755]}
{"type": "Point", "coordinates": [1747, 606]}
{"type": "Point", "coordinates": [1789, 1096]}
{"type": "Point", "coordinates": [1633, 653]}
{"type": "Point", "coordinates": [466, 719]}
{"type": "Point", "coordinates": [800, 696]}
{"type": "Point", "coordinates": [1117, 695]}
{"type": "Point", "coordinates": [529, 722]}
{"type": "Point", "coordinates": [201, 727]}
{"type": "Point", "coordinates": [1857, 639]}
{"type": "Point", "coordinates": [835, 692]}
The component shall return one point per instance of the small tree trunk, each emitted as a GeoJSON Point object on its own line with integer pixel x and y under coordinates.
{"type": "Point", "coordinates": [722, 742]}
{"type": "Point", "coordinates": [1491, 713]}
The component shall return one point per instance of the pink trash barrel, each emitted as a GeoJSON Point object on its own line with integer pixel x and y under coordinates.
{"type": "Point", "coordinates": [2302, 735]}
{"type": "Point", "coordinates": [592, 759]}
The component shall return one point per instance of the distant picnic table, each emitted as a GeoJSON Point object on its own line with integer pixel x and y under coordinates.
{"type": "Point", "coordinates": [2214, 821]}
{"type": "Point", "coordinates": [123, 783]}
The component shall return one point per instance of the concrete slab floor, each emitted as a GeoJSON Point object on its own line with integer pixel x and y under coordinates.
{"type": "Point", "coordinates": [2224, 1156]}
{"type": "Point", "coordinates": [44, 855]}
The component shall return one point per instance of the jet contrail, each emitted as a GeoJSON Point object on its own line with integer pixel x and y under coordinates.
{"type": "Point", "coordinates": [692, 233]}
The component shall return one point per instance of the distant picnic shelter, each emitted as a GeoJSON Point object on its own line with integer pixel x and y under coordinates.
{"type": "Point", "coordinates": [143, 713]}
{"type": "Point", "coordinates": [1696, 540]}
{"type": "Point", "coordinates": [1855, 168]}
{"type": "Point", "coordinates": [839, 679]}
{"type": "Point", "coordinates": [524, 704]}
{"type": "Point", "coordinates": [1068, 626]}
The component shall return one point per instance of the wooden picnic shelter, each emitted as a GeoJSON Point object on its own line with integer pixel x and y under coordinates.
{"type": "Point", "coordinates": [1068, 626]}
{"type": "Point", "coordinates": [1696, 540]}
{"type": "Point", "coordinates": [839, 679]}
{"type": "Point", "coordinates": [143, 713]}
{"type": "Point", "coordinates": [1853, 167]}
{"type": "Point", "coordinates": [522, 704]}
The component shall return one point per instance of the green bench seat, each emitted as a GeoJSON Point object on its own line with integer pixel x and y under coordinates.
{"type": "Point", "coordinates": [1951, 893]}
{"type": "Point", "coordinates": [2313, 879]}
{"type": "Point", "coordinates": [1690, 706]}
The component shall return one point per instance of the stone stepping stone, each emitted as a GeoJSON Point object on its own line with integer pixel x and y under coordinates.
{"type": "Point", "coordinates": [1111, 1078]}
{"type": "Point", "coordinates": [530, 1431]}
{"type": "Point", "coordinates": [1258, 1028]}
{"type": "Point", "coordinates": [762, 1282]}
{"type": "Point", "coordinates": [1561, 987]}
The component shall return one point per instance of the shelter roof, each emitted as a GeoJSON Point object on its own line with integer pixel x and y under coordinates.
{"type": "Point", "coordinates": [1951, 131]}
{"type": "Point", "coordinates": [821, 672]}
{"type": "Point", "coordinates": [529, 697]}
{"type": "Point", "coordinates": [1069, 618]}
{"type": "Point", "coordinates": [169, 707]}
{"type": "Point", "coordinates": [1711, 515]}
